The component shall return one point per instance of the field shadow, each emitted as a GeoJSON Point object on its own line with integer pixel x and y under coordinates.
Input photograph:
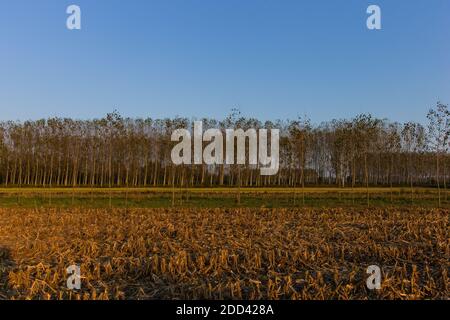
{"type": "Point", "coordinates": [6, 264]}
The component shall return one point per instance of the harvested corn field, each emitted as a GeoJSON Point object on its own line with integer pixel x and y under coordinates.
{"type": "Point", "coordinates": [224, 253]}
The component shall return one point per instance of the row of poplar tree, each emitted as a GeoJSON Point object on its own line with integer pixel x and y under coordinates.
{"type": "Point", "coordinates": [116, 151]}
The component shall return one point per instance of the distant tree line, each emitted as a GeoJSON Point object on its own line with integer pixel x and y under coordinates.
{"type": "Point", "coordinates": [116, 151]}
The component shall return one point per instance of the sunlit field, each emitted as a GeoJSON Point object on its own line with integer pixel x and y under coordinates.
{"type": "Point", "coordinates": [236, 253]}
{"type": "Point", "coordinates": [223, 243]}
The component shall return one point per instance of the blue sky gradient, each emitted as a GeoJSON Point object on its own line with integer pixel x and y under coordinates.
{"type": "Point", "coordinates": [271, 59]}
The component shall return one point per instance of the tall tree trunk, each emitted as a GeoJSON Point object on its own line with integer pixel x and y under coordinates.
{"type": "Point", "coordinates": [366, 173]}
{"type": "Point", "coordinates": [437, 179]}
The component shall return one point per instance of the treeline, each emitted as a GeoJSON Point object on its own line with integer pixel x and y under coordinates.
{"type": "Point", "coordinates": [116, 151]}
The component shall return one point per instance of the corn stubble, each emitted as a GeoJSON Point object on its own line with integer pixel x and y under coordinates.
{"type": "Point", "coordinates": [224, 253]}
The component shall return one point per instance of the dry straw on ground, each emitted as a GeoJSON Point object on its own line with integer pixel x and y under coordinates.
{"type": "Point", "coordinates": [222, 254]}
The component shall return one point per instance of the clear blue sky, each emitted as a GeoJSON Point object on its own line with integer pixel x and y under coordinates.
{"type": "Point", "coordinates": [272, 59]}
